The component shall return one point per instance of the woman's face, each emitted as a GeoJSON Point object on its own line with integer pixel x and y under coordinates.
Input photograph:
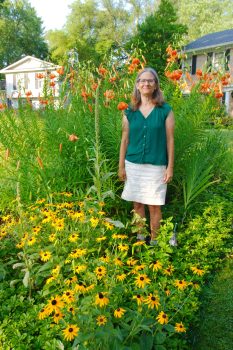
{"type": "Point", "coordinates": [146, 84]}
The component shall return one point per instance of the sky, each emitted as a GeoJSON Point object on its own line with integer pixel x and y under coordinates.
{"type": "Point", "coordinates": [52, 12]}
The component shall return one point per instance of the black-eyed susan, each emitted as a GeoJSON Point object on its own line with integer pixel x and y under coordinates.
{"type": "Point", "coordinates": [31, 241]}
{"type": "Point", "coordinates": [139, 299]}
{"type": "Point", "coordinates": [121, 277]}
{"type": "Point", "coordinates": [180, 284]}
{"type": "Point", "coordinates": [36, 229]}
{"type": "Point", "coordinates": [52, 237]}
{"type": "Point", "coordinates": [71, 309]}
{"type": "Point", "coordinates": [50, 280]}
{"type": "Point", "coordinates": [100, 272]}
{"type": "Point", "coordinates": [108, 225]}
{"type": "Point", "coordinates": [20, 245]}
{"type": "Point", "coordinates": [142, 280]}
{"type": "Point", "coordinates": [179, 327]}
{"type": "Point", "coordinates": [45, 256]}
{"type": "Point", "coordinates": [55, 304]}
{"type": "Point", "coordinates": [118, 313]}
{"type": "Point", "coordinates": [152, 301]}
{"type": "Point", "coordinates": [68, 296]}
{"type": "Point", "coordinates": [71, 280]}
{"type": "Point", "coordinates": [169, 270]}
{"type": "Point", "coordinates": [105, 258]}
{"type": "Point", "coordinates": [77, 253]}
{"type": "Point", "coordinates": [101, 299]}
{"type": "Point", "coordinates": [100, 239]}
{"type": "Point", "coordinates": [156, 265]}
{"type": "Point", "coordinates": [162, 318]}
{"type": "Point", "coordinates": [73, 237]}
{"type": "Point", "coordinates": [131, 261]}
{"type": "Point", "coordinates": [80, 268]}
{"type": "Point", "coordinates": [70, 332]}
{"type": "Point", "coordinates": [167, 291]}
{"type": "Point", "coordinates": [80, 287]}
{"type": "Point", "coordinates": [197, 271]}
{"type": "Point", "coordinates": [123, 247]}
{"type": "Point", "coordinates": [43, 314]}
{"type": "Point", "coordinates": [118, 262]}
{"type": "Point", "coordinates": [56, 270]}
{"type": "Point", "coordinates": [94, 221]}
{"type": "Point", "coordinates": [101, 320]}
{"type": "Point", "coordinates": [136, 244]}
{"type": "Point", "coordinates": [57, 317]}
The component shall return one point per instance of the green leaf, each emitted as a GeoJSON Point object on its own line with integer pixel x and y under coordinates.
{"type": "Point", "coordinates": [169, 328]}
{"type": "Point", "coordinates": [146, 342]}
{"type": "Point", "coordinates": [160, 338]}
{"type": "Point", "coordinates": [26, 278]}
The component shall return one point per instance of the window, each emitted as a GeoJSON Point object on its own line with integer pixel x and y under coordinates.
{"type": "Point", "coordinates": [14, 82]}
{"type": "Point", "coordinates": [194, 64]}
{"type": "Point", "coordinates": [218, 60]}
{"type": "Point", "coordinates": [38, 81]}
{"type": "Point", "coordinates": [26, 80]}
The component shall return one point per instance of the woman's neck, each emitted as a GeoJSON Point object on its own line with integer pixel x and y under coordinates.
{"type": "Point", "coordinates": [146, 101]}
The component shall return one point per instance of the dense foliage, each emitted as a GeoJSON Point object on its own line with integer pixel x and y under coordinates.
{"type": "Point", "coordinates": [72, 274]}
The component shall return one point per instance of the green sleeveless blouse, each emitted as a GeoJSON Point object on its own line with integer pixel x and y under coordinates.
{"type": "Point", "coordinates": [147, 136]}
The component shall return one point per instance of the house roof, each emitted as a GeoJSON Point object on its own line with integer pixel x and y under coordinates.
{"type": "Point", "coordinates": [28, 64]}
{"type": "Point", "coordinates": [222, 38]}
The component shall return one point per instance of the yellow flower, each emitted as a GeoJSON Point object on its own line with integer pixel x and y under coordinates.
{"type": "Point", "coordinates": [58, 224]}
{"type": "Point", "coordinates": [197, 271]}
{"type": "Point", "coordinates": [104, 258]}
{"type": "Point", "coordinates": [36, 229]}
{"type": "Point", "coordinates": [118, 313]}
{"type": "Point", "coordinates": [101, 299]}
{"type": "Point", "coordinates": [56, 270]}
{"type": "Point", "coordinates": [101, 212]}
{"type": "Point", "coordinates": [52, 237]}
{"type": "Point", "coordinates": [123, 247]}
{"type": "Point", "coordinates": [139, 243]}
{"type": "Point", "coordinates": [152, 301]}
{"type": "Point", "coordinates": [119, 236]}
{"type": "Point", "coordinates": [108, 225]}
{"type": "Point", "coordinates": [45, 256]}
{"type": "Point", "coordinates": [31, 241]}
{"type": "Point", "coordinates": [73, 237]}
{"type": "Point", "coordinates": [43, 313]}
{"type": "Point", "coordinates": [101, 204]}
{"type": "Point", "coordinates": [80, 287]}
{"type": "Point", "coordinates": [131, 261]}
{"type": "Point", "coordinates": [77, 253]}
{"type": "Point", "coordinates": [68, 296]}
{"type": "Point", "coordinates": [156, 265]}
{"type": "Point", "coordinates": [71, 280]}
{"type": "Point", "coordinates": [20, 245]}
{"type": "Point", "coordinates": [118, 262]}
{"type": "Point", "coordinates": [100, 272]}
{"type": "Point", "coordinates": [101, 320]}
{"type": "Point", "coordinates": [80, 268]}
{"type": "Point", "coordinates": [94, 221]}
{"type": "Point", "coordinates": [71, 309]}
{"type": "Point", "coordinates": [179, 327]}
{"type": "Point", "coordinates": [169, 270]}
{"type": "Point", "coordinates": [141, 280]}
{"type": "Point", "coordinates": [180, 284]}
{"type": "Point", "coordinates": [162, 318]}
{"type": "Point", "coordinates": [139, 299]}
{"type": "Point", "coordinates": [100, 239]}
{"type": "Point", "coordinates": [140, 267]}
{"type": "Point", "coordinates": [55, 304]}
{"type": "Point", "coordinates": [167, 292]}
{"type": "Point", "coordinates": [57, 316]}
{"type": "Point", "coordinates": [50, 279]}
{"type": "Point", "coordinates": [121, 277]}
{"type": "Point", "coordinates": [70, 332]}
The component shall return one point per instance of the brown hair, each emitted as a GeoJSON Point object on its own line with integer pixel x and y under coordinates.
{"type": "Point", "coordinates": [157, 96]}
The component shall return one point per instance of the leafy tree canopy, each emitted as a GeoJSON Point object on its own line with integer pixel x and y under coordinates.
{"type": "Point", "coordinates": [156, 33]}
{"type": "Point", "coordinates": [21, 32]}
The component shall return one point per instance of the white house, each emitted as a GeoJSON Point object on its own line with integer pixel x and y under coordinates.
{"type": "Point", "coordinates": [28, 79]}
{"type": "Point", "coordinates": [213, 52]}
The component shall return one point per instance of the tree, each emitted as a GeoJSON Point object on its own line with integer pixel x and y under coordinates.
{"type": "Point", "coordinates": [21, 32]}
{"type": "Point", "coordinates": [156, 33]}
{"type": "Point", "coordinates": [204, 17]}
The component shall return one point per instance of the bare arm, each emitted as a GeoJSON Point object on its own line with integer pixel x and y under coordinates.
{"type": "Point", "coordinates": [123, 148]}
{"type": "Point", "coordinates": [170, 124]}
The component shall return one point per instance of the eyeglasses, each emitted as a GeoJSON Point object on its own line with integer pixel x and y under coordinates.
{"type": "Point", "coordinates": [149, 81]}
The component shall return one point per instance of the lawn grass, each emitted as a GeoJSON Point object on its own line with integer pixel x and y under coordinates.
{"type": "Point", "coordinates": [215, 330]}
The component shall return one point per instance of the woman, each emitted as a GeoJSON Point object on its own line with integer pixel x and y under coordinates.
{"type": "Point", "coordinates": [147, 149]}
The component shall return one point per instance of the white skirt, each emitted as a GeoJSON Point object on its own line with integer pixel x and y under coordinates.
{"type": "Point", "coordinates": [144, 183]}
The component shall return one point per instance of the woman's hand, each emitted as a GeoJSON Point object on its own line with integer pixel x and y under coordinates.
{"type": "Point", "coordinates": [168, 175]}
{"type": "Point", "coordinates": [122, 174]}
